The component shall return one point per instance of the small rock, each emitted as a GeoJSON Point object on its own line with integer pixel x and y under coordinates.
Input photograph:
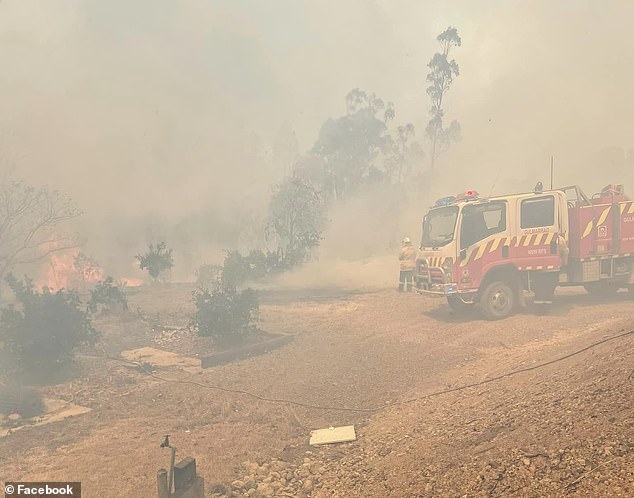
{"type": "Point", "coordinates": [308, 485]}
{"type": "Point", "coordinates": [14, 417]}
{"type": "Point", "coordinates": [279, 465]}
{"type": "Point", "coordinates": [526, 461]}
{"type": "Point", "coordinates": [265, 489]}
{"type": "Point", "coordinates": [237, 485]}
{"type": "Point", "coordinates": [386, 450]}
{"type": "Point", "coordinates": [219, 489]}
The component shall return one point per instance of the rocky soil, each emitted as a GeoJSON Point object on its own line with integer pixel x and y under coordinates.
{"type": "Point", "coordinates": [566, 429]}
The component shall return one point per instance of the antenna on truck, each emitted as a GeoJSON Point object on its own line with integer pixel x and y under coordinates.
{"type": "Point", "coordinates": [552, 171]}
{"type": "Point", "coordinates": [495, 181]}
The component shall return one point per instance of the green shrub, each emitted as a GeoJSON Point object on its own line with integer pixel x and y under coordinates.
{"type": "Point", "coordinates": [107, 297]}
{"type": "Point", "coordinates": [235, 269]}
{"type": "Point", "coordinates": [41, 334]}
{"type": "Point", "coordinates": [207, 276]}
{"type": "Point", "coordinates": [254, 267]}
{"type": "Point", "coordinates": [225, 314]}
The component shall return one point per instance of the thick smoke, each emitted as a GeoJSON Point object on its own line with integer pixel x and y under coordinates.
{"type": "Point", "coordinates": [160, 118]}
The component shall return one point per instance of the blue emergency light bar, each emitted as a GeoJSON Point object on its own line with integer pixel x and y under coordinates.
{"type": "Point", "coordinates": [445, 201]}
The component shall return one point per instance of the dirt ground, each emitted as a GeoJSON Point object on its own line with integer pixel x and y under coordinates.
{"type": "Point", "coordinates": [368, 358]}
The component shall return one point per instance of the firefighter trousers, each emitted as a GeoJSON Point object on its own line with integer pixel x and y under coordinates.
{"type": "Point", "coordinates": [406, 281]}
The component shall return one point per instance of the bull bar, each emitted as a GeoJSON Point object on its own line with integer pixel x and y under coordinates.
{"type": "Point", "coordinates": [425, 284]}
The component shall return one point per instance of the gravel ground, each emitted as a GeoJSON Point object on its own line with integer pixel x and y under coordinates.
{"type": "Point", "coordinates": [564, 429]}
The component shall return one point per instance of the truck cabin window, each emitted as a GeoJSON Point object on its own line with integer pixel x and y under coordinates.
{"type": "Point", "coordinates": [538, 212]}
{"type": "Point", "coordinates": [439, 226]}
{"type": "Point", "coordinates": [479, 221]}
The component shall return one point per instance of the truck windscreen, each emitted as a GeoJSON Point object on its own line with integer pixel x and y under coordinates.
{"type": "Point", "coordinates": [439, 226]}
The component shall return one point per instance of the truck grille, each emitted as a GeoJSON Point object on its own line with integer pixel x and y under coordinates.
{"type": "Point", "coordinates": [436, 275]}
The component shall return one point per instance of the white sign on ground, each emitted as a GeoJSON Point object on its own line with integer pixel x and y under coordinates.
{"type": "Point", "coordinates": [333, 435]}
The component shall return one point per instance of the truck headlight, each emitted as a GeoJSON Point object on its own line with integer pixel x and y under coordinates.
{"type": "Point", "coordinates": [447, 267]}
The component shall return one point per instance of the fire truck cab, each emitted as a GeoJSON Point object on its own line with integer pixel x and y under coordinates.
{"type": "Point", "coordinates": [488, 251]}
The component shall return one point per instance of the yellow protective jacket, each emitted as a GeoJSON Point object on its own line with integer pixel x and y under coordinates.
{"type": "Point", "coordinates": [408, 258]}
{"type": "Point", "coordinates": [564, 250]}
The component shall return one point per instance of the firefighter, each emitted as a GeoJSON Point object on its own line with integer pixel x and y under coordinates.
{"type": "Point", "coordinates": [564, 251]}
{"type": "Point", "coordinates": [407, 260]}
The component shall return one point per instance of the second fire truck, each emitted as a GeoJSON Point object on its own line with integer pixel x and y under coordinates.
{"type": "Point", "coordinates": [488, 251]}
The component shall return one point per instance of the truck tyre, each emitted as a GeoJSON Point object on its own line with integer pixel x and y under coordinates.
{"type": "Point", "coordinates": [458, 305]}
{"type": "Point", "coordinates": [497, 300]}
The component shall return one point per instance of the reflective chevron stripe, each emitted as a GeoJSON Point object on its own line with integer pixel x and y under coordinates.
{"type": "Point", "coordinates": [600, 221]}
{"type": "Point", "coordinates": [495, 245]}
{"type": "Point", "coordinates": [531, 240]}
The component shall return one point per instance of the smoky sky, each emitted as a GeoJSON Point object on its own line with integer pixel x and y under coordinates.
{"type": "Point", "coordinates": [169, 109]}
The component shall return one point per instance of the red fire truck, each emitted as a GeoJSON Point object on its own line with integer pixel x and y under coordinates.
{"type": "Point", "coordinates": [488, 251]}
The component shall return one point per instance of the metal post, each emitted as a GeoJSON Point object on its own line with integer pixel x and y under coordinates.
{"type": "Point", "coordinates": [552, 171]}
{"type": "Point", "coordinates": [170, 480]}
{"type": "Point", "coordinates": [161, 482]}
{"type": "Point", "coordinates": [171, 474]}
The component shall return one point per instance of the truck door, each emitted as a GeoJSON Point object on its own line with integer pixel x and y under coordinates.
{"type": "Point", "coordinates": [483, 228]}
{"type": "Point", "coordinates": [535, 245]}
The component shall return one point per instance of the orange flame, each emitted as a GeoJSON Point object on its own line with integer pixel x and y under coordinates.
{"type": "Point", "coordinates": [68, 269]}
{"type": "Point", "coordinates": [131, 282]}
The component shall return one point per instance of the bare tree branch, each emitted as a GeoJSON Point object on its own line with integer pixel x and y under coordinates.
{"type": "Point", "coordinates": [27, 219]}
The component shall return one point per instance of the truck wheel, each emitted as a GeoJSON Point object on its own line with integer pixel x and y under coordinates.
{"type": "Point", "coordinates": [497, 301]}
{"type": "Point", "coordinates": [457, 304]}
{"type": "Point", "coordinates": [601, 289]}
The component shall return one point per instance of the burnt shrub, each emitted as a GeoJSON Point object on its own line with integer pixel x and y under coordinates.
{"type": "Point", "coordinates": [157, 260]}
{"type": "Point", "coordinates": [40, 334]}
{"type": "Point", "coordinates": [107, 297]}
{"type": "Point", "coordinates": [22, 400]}
{"type": "Point", "coordinates": [225, 314]}
{"type": "Point", "coordinates": [87, 270]}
